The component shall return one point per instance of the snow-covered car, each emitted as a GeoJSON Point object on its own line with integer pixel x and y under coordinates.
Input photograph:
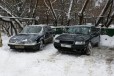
{"type": "Point", "coordinates": [78, 38]}
{"type": "Point", "coordinates": [0, 40]}
{"type": "Point", "coordinates": [32, 37]}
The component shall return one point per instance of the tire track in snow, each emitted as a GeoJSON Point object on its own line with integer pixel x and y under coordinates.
{"type": "Point", "coordinates": [52, 57]}
{"type": "Point", "coordinates": [67, 67]}
{"type": "Point", "coordinates": [109, 69]}
{"type": "Point", "coordinates": [109, 58]}
{"type": "Point", "coordinates": [90, 63]}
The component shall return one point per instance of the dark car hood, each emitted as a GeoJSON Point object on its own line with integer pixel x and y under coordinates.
{"type": "Point", "coordinates": [73, 37]}
{"type": "Point", "coordinates": [21, 37]}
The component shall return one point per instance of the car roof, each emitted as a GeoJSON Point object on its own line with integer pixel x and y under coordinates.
{"type": "Point", "coordinates": [59, 26]}
{"type": "Point", "coordinates": [72, 26]}
{"type": "Point", "coordinates": [42, 25]}
{"type": "Point", "coordinates": [84, 25]}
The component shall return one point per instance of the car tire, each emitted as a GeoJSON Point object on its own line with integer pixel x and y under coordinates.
{"type": "Point", "coordinates": [83, 52]}
{"type": "Point", "coordinates": [0, 42]}
{"type": "Point", "coordinates": [59, 50]}
{"type": "Point", "coordinates": [89, 49]}
{"type": "Point", "coordinates": [41, 45]}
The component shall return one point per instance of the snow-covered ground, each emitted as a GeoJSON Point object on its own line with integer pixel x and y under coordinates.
{"type": "Point", "coordinates": [107, 41]}
{"type": "Point", "coordinates": [49, 62]}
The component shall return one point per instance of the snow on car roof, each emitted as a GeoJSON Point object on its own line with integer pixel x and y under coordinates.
{"type": "Point", "coordinates": [71, 26]}
{"type": "Point", "coordinates": [84, 25]}
{"type": "Point", "coordinates": [59, 26]}
{"type": "Point", "coordinates": [39, 25]}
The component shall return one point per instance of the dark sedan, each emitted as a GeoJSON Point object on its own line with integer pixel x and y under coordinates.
{"type": "Point", "coordinates": [32, 37]}
{"type": "Point", "coordinates": [78, 38]}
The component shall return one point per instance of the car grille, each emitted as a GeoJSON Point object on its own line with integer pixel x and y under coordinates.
{"type": "Point", "coordinates": [67, 42]}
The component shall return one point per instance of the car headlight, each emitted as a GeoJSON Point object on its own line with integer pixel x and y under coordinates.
{"type": "Point", "coordinates": [79, 43]}
{"type": "Point", "coordinates": [57, 41]}
{"type": "Point", "coordinates": [29, 42]}
{"type": "Point", "coordinates": [12, 41]}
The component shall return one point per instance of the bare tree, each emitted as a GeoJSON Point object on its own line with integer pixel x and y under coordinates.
{"type": "Point", "coordinates": [69, 12]}
{"type": "Point", "coordinates": [64, 12]}
{"type": "Point", "coordinates": [103, 12]}
{"type": "Point", "coordinates": [50, 7]}
{"type": "Point", "coordinates": [16, 11]}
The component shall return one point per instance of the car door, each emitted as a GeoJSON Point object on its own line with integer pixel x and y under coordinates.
{"type": "Point", "coordinates": [95, 35]}
{"type": "Point", "coordinates": [48, 34]}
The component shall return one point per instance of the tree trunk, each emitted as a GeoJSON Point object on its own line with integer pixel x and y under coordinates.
{"type": "Point", "coordinates": [81, 15]}
{"type": "Point", "coordinates": [99, 19]}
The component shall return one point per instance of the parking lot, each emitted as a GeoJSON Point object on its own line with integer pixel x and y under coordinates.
{"type": "Point", "coordinates": [49, 62]}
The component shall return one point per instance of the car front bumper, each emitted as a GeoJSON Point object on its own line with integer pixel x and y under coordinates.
{"type": "Point", "coordinates": [24, 47]}
{"type": "Point", "coordinates": [69, 47]}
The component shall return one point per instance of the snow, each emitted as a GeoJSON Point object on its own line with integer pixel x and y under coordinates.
{"type": "Point", "coordinates": [70, 7]}
{"type": "Point", "coordinates": [107, 41]}
{"type": "Point", "coordinates": [6, 10]}
{"type": "Point", "coordinates": [5, 18]}
{"type": "Point", "coordinates": [98, 2]}
{"type": "Point", "coordinates": [49, 62]}
{"type": "Point", "coordinates": [111, 26]}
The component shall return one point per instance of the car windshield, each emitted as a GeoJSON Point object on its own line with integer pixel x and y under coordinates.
{"type": "Point", "coordinates": [78, 30]}
{"type": "Point", "coordinates": [31, 29]}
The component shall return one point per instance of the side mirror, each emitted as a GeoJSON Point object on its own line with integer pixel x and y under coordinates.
{"type": "Point", "coordinates": [94, 34]}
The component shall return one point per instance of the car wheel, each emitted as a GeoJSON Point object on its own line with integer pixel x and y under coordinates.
{"type": "Point", "coordinates": [0, 42]}
{"type": "Point", "coordinates": [60, 51]}
{"type": "Point", "coordinates": [83, 51]}
{"type": "Point", "coordinates": [89, 49]}
{"type": "Point", "coordinates": [41, 45]}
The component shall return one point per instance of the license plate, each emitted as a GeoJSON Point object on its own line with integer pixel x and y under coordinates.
{"type": "Point", "coordinates": [65, 45]}
{"type": "Point", "coordinates": [21, 47]}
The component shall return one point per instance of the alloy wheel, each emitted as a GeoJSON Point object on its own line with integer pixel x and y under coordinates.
{"type": "Point", "coordinates": [89, 49]}
{"type": "Point", "coordinates": [41, 45]}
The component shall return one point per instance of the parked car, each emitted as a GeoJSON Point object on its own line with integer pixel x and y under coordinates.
{"type": "Point", "coordinates": [78, 38]}
{"type": "Point", "coordinates": [32, 37]}
{"type": "Point", "coordinates": [0, 40]}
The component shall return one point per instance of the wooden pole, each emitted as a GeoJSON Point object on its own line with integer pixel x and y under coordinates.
{"type": "Point", "coordinates": [0, 40]}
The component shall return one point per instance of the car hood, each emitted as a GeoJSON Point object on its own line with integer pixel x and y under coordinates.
{"type": "Point", "coordinates": [73, 37]}
{"type": "Point", "coordinates": [25, 37]}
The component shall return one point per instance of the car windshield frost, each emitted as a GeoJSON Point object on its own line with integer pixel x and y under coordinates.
{"type": "Point", "coordinates": [78, 30]}
{"type": "Point", "coordinates": [31, 29]}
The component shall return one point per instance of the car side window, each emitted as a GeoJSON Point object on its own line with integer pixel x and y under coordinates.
{"type": "Point", "coordinates": [49, 29]}
{"type": "Point", "coordinates": [45, 29]}
{"type": "Point", "coordinates": [95, 30]}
